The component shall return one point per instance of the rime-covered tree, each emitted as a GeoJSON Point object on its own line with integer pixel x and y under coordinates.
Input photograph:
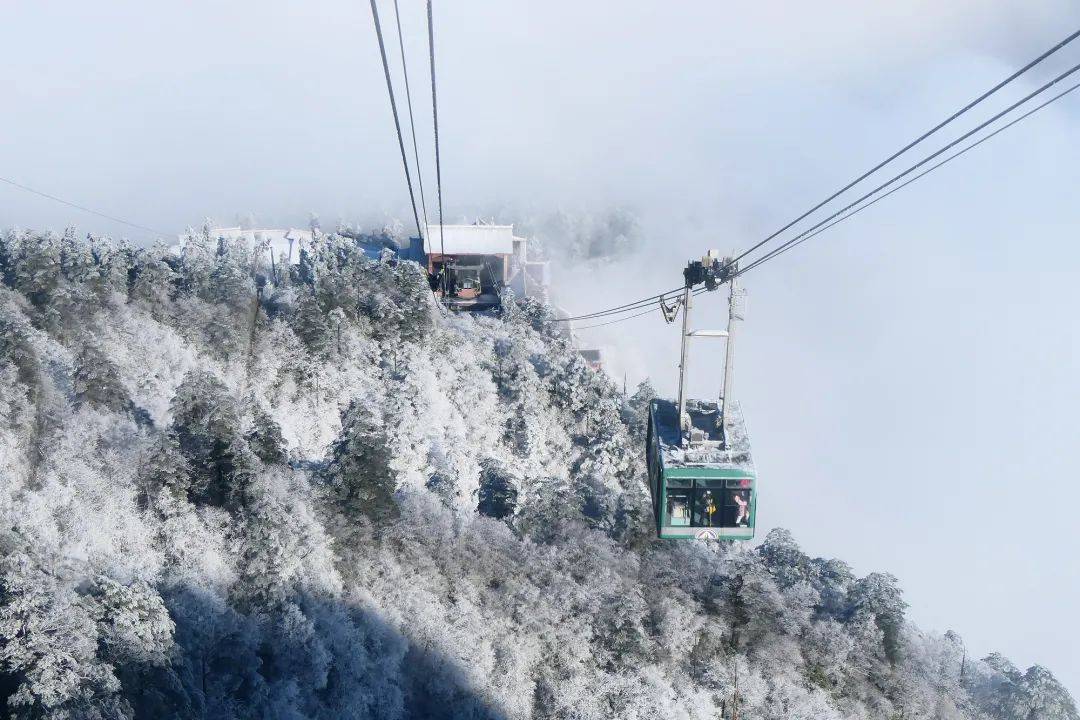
{"type": "Point", "coordinates": [635, 411]}
{"type": "Point", "coordinates": [1009, 693]}
{"type": "Point", "coordinates": [37, 268]}
{"type": "Point", "coordinates": [164, 469]}
{"type": "Point", "coordinates": [7, 258]}
{"type": "Point", "coordinates": [498, 491]}
{"type": "Point", "coordinates": [310, 323]}
{"type": "Point", "coordinates": [265, 438]}
{"type": "Point", "coordinates": [49, 646]}
{"type": "Point", "coordinates": [152, 279]}
{"type": "Point", "coordinates": [878, 596]}
{"type": "Point", "coordinates": [133, 622]}
{"type": "Point", "coordinates": [359, 470]}
{"type": "Point", "coordinates": [207, 427]}
{"type": "Point", "coordinates": [96, 379]}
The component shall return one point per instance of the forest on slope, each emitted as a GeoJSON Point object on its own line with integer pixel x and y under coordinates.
{"type": "Point", "coordinates": [234, 488]}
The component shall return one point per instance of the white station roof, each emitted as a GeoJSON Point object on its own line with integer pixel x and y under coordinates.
{"type": "Point", "coordinates": [470, 239]}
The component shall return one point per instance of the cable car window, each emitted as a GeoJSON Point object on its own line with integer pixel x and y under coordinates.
{"type": "Point", "coordinates": [737, 508]}
{"type": "Point", "coordinates": [710, 483]}
{"type": "Point", "coordinates": [678, 507]}
{"type": "Point", "coordinates": [674, 482]}
{"type": "Point", "coordinates": [740, 483]}
{"type": "Point", "coordinates": [707, 508]}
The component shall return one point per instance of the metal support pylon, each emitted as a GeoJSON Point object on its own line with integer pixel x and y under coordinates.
{"type": "Point", "coordinates": [684, 417]}
{"type": "Point", "coordinates": [710, 271]}
{"type": "Point", "coordinates": [734, 315]}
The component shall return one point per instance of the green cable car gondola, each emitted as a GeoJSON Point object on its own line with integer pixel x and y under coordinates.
{"type": "Point", "coordinates": [704, 488]}
{"type": "Point", "coordinates": [701, 473]}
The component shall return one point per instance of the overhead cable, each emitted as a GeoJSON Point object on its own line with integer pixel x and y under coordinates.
{"type": "Point", "coordinates": [917, 140]}
{"type": "Point", "coordinates": [83, 208]}
{"type": "Point", "coordinates": [928, 158]}
{"type": "Point", "coordinates": [699, 291]}
{"type": "Point", "coordinates": [800, 240]}
{"type": "Point", "coordinates": [1046, 54]}
{"type": "Point", "coordinates": [435, 121]}
{"type": "Point", "coordinates": [617, 320]}
{"type": "Point", "coordinates": [412, 123]}
{"type": "Point", "coordinates": [619, 309]}
{"type": "Point", "coordinates": [393, 108]}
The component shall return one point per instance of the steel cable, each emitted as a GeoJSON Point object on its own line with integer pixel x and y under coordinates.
{"type": "Point", "coordinates": [393, 108]}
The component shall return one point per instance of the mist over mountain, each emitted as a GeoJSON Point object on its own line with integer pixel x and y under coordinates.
{"type": "Point", "coordinates": [238, 488]}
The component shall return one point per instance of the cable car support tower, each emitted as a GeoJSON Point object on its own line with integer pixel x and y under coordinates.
{"type": "Point", "coordinates": [712, 272]}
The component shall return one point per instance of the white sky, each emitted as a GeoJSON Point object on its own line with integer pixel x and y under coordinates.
{"type": "Point", "coordinates": [910, 377]}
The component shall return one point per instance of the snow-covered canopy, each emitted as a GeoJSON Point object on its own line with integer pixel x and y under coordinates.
{"type": "Point", "coordinates": [283, 241]}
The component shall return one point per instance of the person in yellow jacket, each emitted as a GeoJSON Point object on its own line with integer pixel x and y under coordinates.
{"type": "Point", "coordinates": [710, 507]}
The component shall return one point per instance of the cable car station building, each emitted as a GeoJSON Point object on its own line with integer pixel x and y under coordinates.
{"type": "Point", "coordinates": [469, 265]}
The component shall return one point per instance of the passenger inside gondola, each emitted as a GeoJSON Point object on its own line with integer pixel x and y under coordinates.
{"type": "Point", "coordinates": [706, 510]}
{"type": "Point", "coordinates": [737, 510]}
{"type": "Point", "coordinates": [721, 503]}
{"type": "Point", "coordinates": [709, 508]}
{"type": "Point", "coordinates": [708, 502]}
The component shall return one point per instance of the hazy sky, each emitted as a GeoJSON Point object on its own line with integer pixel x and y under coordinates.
{"type": "Point", "coordinates": [910, 377]}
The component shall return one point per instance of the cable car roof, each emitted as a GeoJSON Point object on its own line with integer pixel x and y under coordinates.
{"type": "Point", "coordinates": [708, 450]}
{"type": "Point", "coordinates": [470, 239]}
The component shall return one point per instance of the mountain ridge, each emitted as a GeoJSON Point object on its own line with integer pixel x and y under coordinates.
{"type": "Point", "coordinates": [239, 488]}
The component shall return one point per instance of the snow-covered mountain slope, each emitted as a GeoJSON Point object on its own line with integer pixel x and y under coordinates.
{"type": "Point", "coordinates": [233, 489]}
